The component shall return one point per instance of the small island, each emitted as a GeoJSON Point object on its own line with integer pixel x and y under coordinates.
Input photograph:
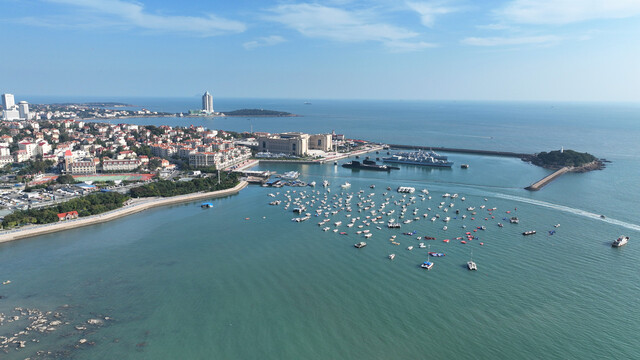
{"type": "Point", "coordinates": [577, 161]}
{"type": "Point", "coordinates": [257, 112]}
{"type": "Point", "coordinates": [563, 161]}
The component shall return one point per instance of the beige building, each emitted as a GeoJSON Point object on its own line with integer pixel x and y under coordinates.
{"type": "Point", "coordinates": [120, 165]}
{"type": "Point", "coordinates": [292, 143]}
{"type": "Point", "coordinates": [322, 142]}
{"type": "Point", "coordinates": [82, 167]}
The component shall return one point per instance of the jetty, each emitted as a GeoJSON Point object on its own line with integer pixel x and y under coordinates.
{"type": "Point", "coordinates": [547, 179]}
{"type": "Point", "coordinates": [523, 156]}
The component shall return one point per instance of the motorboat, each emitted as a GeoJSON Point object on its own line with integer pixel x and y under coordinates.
{"type": "Point", "coordinates": [621, 241]}
{"type": "Point", "coordinates": [361, 244]}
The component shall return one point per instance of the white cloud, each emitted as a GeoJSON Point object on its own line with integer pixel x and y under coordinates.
{"type": "Point", "coordinates": [404, 46]}
{"type": "Point", "coordinates": [264, 41]}
{"type": "Point", "coordinates": [494, 27]}
{"type": "Point", "coordinates": [134, 14]}
{"type": "Point", "coordinates": [504, 41]}
{"type": "Point", "coordinates": [567, 11]}
{"type": "Point", "coordinates": [318, 21]}
{"type": "Point", "coordinates": [429, 10]}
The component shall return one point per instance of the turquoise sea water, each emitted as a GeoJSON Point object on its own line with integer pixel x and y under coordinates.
{"type": "Point", "coordinates": [182, 282]}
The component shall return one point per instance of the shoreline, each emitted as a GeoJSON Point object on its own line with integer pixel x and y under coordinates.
{"type": "Point", "coordinates": [136, 207]}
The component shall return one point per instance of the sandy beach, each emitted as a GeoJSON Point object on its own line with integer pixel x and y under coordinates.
{"type": "Point", "coordinates": [135, 206]}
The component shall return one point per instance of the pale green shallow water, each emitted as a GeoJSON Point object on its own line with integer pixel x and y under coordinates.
{"type": "Point", "coordinates": [182, 282]}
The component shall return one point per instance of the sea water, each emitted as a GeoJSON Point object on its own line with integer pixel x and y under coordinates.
{"type": "Point", "coordinates": [241, 281]}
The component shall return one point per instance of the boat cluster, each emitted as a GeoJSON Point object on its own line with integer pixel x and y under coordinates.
{"type": "Point", "coordinates": [366, 213]}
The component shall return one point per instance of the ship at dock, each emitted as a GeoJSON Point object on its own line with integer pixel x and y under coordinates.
{"type": "Point", "coordinates": [423, 158]}
{"type": "Point", "coordinates": [367, 165]}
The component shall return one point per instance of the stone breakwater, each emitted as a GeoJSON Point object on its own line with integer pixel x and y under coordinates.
{"type": "Point", "coordinates": [136, 206]}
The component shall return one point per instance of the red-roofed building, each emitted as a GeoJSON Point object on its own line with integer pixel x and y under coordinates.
{"type": "Point", "coordinates": [68, 216]}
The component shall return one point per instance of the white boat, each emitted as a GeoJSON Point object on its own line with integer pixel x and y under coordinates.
{"type": "Point", "coordinates": [392, 256]}
{"type": "Point", "coordinates": [621, 241]}
{"type": "Point", "coordinates": [312, 184]}
{"type": "Point", "coordinates": [471, 265]}
{"type": "Point", "coordinates": [345, 185]}
{"type": "Point", "coordinates": [556, 225]}
{"type": "Point", "coordinates": [427, 264]}
{"type": "Point", "coordinates": [325, 183]}
{"type": "Point", "coordinates": [410, 248]}
{"type": "Point", "coordinates": [444, 228]}
{"type": "Point", "coordinates": [368, 235]}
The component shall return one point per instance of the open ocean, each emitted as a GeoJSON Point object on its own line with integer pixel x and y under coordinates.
{"type": "Point", "coordinates": [180, 282]}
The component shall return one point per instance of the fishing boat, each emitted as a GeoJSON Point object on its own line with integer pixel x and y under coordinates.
{"type": "Point", "coordinates": [621, 241]}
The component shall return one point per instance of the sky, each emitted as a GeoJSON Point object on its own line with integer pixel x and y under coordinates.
{"type": "Point", "coordinates": [509, 50]}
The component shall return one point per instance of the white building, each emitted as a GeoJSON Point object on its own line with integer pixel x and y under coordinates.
{"type": "Point", "coordinates": [8, 101]}
{"type": "Point", "coordinates": [23, 110]}
{"type": "Point", "coordinates": [207, 103]}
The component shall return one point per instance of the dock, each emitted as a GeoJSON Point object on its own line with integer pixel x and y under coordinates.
{"type": "Point", "coordinates": [547, 179]}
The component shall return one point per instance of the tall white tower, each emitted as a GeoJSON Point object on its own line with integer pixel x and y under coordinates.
{"type": "Point", "coordinates": [8, 101]}
{"type": "Point", "coordinates": [207, 103]}
{"type": "Point", "coordinates": [23, 108]}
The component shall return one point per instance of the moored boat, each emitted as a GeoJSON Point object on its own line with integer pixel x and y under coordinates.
{"type": "Point", "coordinates": [361, 244]}
{"type": "Point", "coordinates": [529, 232]}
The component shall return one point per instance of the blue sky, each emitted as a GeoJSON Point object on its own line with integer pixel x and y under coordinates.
{"type": "Point", "coordinates": [567, 50]}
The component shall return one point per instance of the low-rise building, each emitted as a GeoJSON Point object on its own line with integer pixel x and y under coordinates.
{"type": "Point", "coordinates": [82, 167]}
{"type": "Point", "coordinates": [120, 165]}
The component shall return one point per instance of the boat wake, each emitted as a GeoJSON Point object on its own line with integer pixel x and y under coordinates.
{"type": "Point", "coordinates": [570, 210]}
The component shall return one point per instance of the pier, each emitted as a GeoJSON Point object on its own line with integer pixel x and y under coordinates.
{"type": "Point", "coordinates": [522, 156]}
{"type": "Point", "coordinates": [547, 179]}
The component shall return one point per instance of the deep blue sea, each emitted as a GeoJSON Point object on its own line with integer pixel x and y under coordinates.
{"type": "Point", "coordinates": [241, 281]}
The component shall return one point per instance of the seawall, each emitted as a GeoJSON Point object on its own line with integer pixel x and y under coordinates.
{"type": "Point", "coordinates": [523, 156]}
{"type": "Point", "coordinates": [547, 179]}
{"type": "Point", "coordinates": [139, 206]}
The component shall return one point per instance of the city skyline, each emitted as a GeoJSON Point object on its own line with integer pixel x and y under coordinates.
{"type": "Point", "coordinates": [418, 50]}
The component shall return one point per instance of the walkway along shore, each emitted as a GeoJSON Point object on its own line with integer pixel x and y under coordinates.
{"type": "Point", "coordinates": [138, 206]}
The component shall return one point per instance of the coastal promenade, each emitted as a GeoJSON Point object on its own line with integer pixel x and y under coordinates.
{"type": "Point", "coordinates": [137, 205]}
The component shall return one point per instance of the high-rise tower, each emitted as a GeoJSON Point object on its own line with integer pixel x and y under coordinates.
{"type": "Point", "coordinates": [207, 103]}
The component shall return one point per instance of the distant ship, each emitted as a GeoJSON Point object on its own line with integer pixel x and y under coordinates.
{"type": "Point", "coordinates": [417, 158]}
{"type": "Point", "coordinates": [423, 153]}
{"type": "Point", "coordinates": [367, 165]}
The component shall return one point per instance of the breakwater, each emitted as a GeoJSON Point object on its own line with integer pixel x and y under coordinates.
{"type": "Point", "coordinates": [522, 156]}
{"type": "Point", "coordinates": [547, 179]}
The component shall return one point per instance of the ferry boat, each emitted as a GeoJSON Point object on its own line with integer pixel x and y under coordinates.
{"type": "Point", "coordinates": [361, 244]}
{"type": "Point", "coordinates": [418, 158]}
{"type": "Point", "coordinates": [621, 241]}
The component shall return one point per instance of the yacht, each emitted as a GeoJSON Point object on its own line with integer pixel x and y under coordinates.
{"type": "Point", "coordinates": [471, 265]}
{"type": "Point", "coordinates": [361, 244]}
{"type": "Point", "coordinates": [514, 220]}
{"type": "Point", "coordinates": [345, 185]}
{"type": "Point", "coordinates": [621, 241]}
{"type": "Point", "coordinates": [325, 183]}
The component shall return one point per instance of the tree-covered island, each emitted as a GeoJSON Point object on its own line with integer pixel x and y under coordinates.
{"type": "Point", "coordinates": [580, 162]}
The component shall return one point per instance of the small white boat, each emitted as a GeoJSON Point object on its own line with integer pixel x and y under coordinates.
{"type": "Point", "coordinates": [621, 241]}
{"type": "Point", "coordinates": [392, 256]}
{"type": "Point", "coordinates": [556, 225]}
{"type": "Point", "coordinates": [444, 228]}
{"type": "Point", "coordinates": [410, 248]}
{"type": "Point", "coordinates": [345, 185]}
